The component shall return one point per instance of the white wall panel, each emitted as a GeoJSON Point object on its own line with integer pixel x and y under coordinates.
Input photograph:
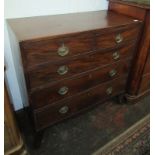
{"type": "Point", "coordinates": [25, 8]}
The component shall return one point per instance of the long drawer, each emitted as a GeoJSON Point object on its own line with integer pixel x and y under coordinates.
{"type": "Point", "coordinates": [56, 71]}
{"type": "Point", "coordinates": [59, 48]}
{"type": "Point", "coordinates": [77, 84]}
{"type": "Point", "coordinates": [70, 106]}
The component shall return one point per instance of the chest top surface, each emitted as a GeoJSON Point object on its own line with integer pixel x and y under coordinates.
{"type": "Point", "coordinates": [45, 26]}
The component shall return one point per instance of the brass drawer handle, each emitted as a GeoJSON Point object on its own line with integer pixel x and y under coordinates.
{"type": "Point", "coordinates": [63, 90]}
{"type": "Point", "coordinates": [63, 50]}
{"type": "Point", "coordinates": [116, 56]}
{"type": "Point", "coordinates": [64, 110]}
{"type": "Point", "coordinates": [62, 70]}
{"type": "Point", "coordinates": [109, 91]}
{"type": "Point", "coordinates": [118, 38]}
{"type": "Point", "coordinates": [112, 73]}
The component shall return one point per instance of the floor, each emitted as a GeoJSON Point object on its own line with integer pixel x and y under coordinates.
{"type": "Point", "coordinates": [87, 132]}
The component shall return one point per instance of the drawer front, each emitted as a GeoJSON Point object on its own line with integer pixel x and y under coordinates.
{"type": "Point", "coordinates": [114, 39]}
{"type": "Point", "coordinates": [145, 83]}
{"type": "Point", "coordinates": [77, 84]}
{"type": "Point", "coordinates": [70, 106]}
{"type": "Point", "coordinates": [56, 49]}
{"type": "Point", "coordinates": [53, 72]}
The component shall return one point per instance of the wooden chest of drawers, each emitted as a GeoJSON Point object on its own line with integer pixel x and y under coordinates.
{"type": "Point", "coordinates": [74, 61]}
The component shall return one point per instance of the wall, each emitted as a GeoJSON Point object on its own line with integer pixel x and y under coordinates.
{"type": "Point", "coordinates": [14, 72]}
{"type": "Point", "coordinates": [28, 8]}
{"type": "Point", "coordinates": [10, 73]}
{"type": "Point", "coordinates": [25, 8]}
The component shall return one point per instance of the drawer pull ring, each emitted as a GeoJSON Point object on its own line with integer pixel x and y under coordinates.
{"type": "Point", "coordinates": [62, 70]}
{"type": "Point", "coordinates": [63, 90]}
{"type": "Point", "coordinates": [116, 56]}
{"type": "Point", "coordinates": [63, 50]}
{"type": "Point", "coordinates": [118, 38]}
{"type": "Point", "coordinates": [112, 73]}
{"type": "Point", "coordinates": [109, 91]}
{"type": "Point", "coordinates": [63, 109]}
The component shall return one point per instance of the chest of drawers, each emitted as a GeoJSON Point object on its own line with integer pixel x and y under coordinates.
{"type": "Point", "coordinates": [72, 62]}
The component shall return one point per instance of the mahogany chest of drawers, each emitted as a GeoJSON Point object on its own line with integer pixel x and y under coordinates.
{"type": "Point", "coordinates": [72, 62]}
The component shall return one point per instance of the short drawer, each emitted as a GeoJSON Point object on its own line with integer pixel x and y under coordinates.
{"type": "Point", "coordinates": [116, 38]}
{"type": "Point", "coordinates": [38, 52]}
{"type": "Point", "coordinates": [77, 84]}
{"type": "Point", "coordinates": [59, 70]}
{"type": "Point", "coordinates": [66, 108]}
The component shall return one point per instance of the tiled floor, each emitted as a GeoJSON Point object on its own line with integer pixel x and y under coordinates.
{"type": "Point", "coordinates": [86, 133]}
